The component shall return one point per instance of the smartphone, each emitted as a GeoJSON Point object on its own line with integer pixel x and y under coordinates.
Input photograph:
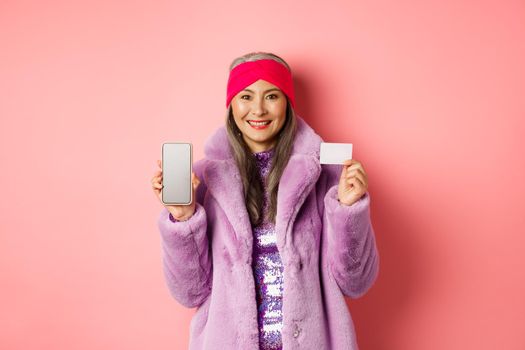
{"type": "Point", "coordinates": [177, 161]}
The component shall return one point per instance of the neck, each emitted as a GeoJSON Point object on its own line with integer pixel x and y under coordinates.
{"type": "Point", "coordinates": [260, 147]}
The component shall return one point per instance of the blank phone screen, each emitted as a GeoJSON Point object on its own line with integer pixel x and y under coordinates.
{"type": "Point", "coordinates": [176, 173]}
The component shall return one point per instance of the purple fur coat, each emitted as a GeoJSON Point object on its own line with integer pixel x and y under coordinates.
{"type": "Point", "coordinates": [328, 252]}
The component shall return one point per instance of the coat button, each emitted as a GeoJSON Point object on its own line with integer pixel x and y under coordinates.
{"type": "Point", "coordinates": [296, 333]}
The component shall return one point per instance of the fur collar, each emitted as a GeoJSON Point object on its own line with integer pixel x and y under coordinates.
{"type": "Point", "coordinates": [299, 177]}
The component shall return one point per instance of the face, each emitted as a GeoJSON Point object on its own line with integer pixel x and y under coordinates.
{"type": "Point", "coordinates": [260, 101]}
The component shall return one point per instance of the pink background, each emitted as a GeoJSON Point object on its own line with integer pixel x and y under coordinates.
{"type": "Point", "coordinates": [432, 94]}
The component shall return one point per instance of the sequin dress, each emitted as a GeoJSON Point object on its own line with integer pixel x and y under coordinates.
{"type": "Point", "coordinates": [268, 270]}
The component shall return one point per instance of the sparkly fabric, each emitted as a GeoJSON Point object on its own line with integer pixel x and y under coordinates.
{"type": "Point", "coordinates": [267, 270]}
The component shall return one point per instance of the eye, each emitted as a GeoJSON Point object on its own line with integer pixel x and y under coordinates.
{"type": "Point", "coordinates": [273, 95]}
{"type": "Point", "coordinates": [243, 97]}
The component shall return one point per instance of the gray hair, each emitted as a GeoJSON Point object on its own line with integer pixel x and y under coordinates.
{"type": "Point", "coordinates": [255, 56]}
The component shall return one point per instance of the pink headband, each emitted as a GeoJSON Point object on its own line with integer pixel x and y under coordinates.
{"type": "Point", "coordinates": [248, 73]}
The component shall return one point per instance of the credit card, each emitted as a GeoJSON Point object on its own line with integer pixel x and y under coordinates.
{"type": "Point", "coordinates": [335, 153]}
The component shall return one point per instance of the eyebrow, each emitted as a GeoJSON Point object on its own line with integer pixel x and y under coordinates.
{"type": "Point", "coordinates": [264, 91]}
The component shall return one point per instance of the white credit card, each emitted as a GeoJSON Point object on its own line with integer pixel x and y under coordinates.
{"type": "Point", "coordinates": [335, 153]}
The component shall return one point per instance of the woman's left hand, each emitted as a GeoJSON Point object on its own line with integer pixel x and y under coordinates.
{"type": "Point", "coordinates": [353, 182]}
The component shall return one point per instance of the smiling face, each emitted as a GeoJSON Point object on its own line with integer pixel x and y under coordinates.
{"type": "Point", "coordinates": [259, 102]}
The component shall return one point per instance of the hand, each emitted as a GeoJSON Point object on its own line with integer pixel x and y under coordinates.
{"type": "Point", "coordinates": [353, 182]}
{"type": "Point", "coordinates": [179, 212]}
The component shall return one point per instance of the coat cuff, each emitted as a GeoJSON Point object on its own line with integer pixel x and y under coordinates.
{"type": "Point", "coordinates": [170, 229]}
{"type": "Point", "coordinates": [333, 207]}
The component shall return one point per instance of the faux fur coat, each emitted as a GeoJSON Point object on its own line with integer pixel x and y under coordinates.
{"type": "Point", "coordinates": [328, 252]}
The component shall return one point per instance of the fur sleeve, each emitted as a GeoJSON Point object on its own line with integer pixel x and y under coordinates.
{"type": "Point", "coordinates": [186, 256]}
{"type": "Point", "coordinates": [353, 259]}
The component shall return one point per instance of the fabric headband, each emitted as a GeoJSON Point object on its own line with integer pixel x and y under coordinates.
{"type": "Point", "coordinates": [248, 73]}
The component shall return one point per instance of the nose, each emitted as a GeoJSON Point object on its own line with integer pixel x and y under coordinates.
{"type": "Point", "coordinates": [258, 108]}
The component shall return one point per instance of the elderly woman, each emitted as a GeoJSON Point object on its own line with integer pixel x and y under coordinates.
{"type": "Point", "coordinates": [273, 240]}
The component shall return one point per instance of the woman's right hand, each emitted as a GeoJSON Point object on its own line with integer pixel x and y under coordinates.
{"type": "Point", "coordinates": [179, 212]}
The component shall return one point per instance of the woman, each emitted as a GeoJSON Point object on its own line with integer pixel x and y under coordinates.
{"type": "Point", "coordinates": [273, 241]}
